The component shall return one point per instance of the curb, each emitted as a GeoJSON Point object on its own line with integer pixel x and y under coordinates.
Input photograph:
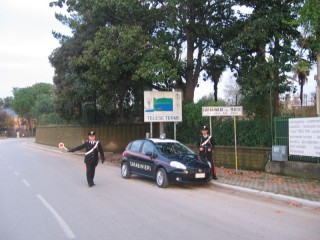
{"type": "Point", "coordinates": [298, 201]}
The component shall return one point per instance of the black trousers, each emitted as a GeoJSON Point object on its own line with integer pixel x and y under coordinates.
{"type": "Point", "coordinates": [209, 157]}
{"type": "Point", "coordinates": [90, 170]}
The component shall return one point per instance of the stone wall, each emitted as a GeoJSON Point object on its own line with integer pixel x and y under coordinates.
{"type": "Point", "coordinates": [248, 158]}
{"type": "Point", "coordinates": [294, 169]}
{"type": "Point", "coordinates": [114, 138]}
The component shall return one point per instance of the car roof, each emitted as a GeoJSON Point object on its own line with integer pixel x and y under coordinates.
{"type": "Point", "coordinates": [160, 140]}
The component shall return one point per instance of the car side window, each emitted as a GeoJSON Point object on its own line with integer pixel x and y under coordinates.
{"type": "Point", "coordinates": [135, 146]}
{"type": "Point", "coordinates": [147, 147]}
{"type": "Point", "coordinates": [168, 148]}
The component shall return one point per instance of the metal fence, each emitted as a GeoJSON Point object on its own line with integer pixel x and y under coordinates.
{"type": "Point", "coordinates": [281, 137]}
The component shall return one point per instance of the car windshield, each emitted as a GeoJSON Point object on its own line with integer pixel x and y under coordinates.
{"type": "Point", "coordinates": [173, 148]}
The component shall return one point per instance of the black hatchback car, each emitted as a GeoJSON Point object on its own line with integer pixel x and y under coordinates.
{"type": "Point", "coordinates": [165, 160]}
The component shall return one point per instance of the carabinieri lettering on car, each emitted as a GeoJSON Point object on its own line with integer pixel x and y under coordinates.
{"type": "Point", "coordinates": [141, 166]}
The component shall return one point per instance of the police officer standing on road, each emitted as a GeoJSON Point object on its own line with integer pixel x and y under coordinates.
{"type": "Point", "coordinates": [91, 156]}
{"type": "Point", "coordinates": [206, 144]}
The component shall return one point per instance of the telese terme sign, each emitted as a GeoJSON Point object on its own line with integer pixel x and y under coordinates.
{"type": "Point", "coordinates": [304, 136]}
{"type": "Point", "coordinates": [162, 106]}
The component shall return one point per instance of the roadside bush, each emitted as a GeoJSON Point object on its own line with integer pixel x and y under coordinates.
{"type": "Point", "coordinates": [251, 133]}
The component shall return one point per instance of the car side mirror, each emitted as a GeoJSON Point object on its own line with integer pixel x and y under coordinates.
{"type": "Point", "coordinates": [151, 154]}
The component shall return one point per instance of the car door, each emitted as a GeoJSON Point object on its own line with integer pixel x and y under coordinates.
{"type": "Point", "coordinates": [146, 158]}
{"type": "Point", "coordinates": [134, 156]}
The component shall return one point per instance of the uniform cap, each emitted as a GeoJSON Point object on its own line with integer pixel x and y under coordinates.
{"type": "Point", "coordinates": [91, 133]}
{"type": "Point", "coordinates": [204, 128]}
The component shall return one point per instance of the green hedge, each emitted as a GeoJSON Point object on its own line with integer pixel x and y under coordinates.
{"type": "Point", "coordinates": [253, 133]}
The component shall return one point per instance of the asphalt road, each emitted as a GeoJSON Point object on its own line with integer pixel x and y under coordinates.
{"type": "Point", "coordinates": [44, 195]}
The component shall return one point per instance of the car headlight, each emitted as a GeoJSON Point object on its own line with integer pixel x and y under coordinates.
{"type": "Point", "coordinates": [176, 164]}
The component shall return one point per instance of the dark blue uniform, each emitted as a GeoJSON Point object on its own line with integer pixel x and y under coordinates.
{"type": "Point", "coordinates": [91, 159]}
{"type": "Point", "coordinates": [206, 144]}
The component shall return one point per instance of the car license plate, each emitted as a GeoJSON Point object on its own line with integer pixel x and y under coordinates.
{"type": "Point", "coordinates": [200, 175]}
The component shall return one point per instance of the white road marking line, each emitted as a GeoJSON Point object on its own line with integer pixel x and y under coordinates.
{"type": "Point", "coordinates": [26, 183]}
{"type": "Point", "coordinates": [16, 173]}
{"type": "Point", "coordinates": [59, 219]}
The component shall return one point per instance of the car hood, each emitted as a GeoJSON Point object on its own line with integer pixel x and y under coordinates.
{"type": "Point", "coordinates": [190, 160]}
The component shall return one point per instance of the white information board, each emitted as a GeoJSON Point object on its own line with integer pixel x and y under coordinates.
{"type": "Point", "coordinates": [162, 106]}
{"type": "Point", "coordinates": [304, 136]}
{"type": "Point", "coordinates": [222, 111]}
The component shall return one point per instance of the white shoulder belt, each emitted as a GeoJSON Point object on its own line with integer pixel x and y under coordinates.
{"type": "Point", "coordinates": [205, 142]}
{"type": "Point", "coordinates": [91, 150]}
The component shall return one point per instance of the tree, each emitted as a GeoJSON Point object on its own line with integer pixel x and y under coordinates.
{"type": "Point", "coordinates": [69, 92]}
{"type": "Point", "coordinates": [31, 102]}
{"type": "Point", "coordinates": [5, 102]}
{"type": "Point", "coordinates": [310, 20]}
{"type": "Point", "coordinates": [198, 28]}
{"type": "Point", "coordinates": [105, 70]}
{"type": "Point", "coordinates": [6, 122]}
{"type": "Point", "coordinates": [180, 42]}
{"type": "Point", "coordinates": [23, 101]}
{"type": "Point", "coordinates": [179, 38]}
{"type": "Point", "coordinates": [262, 52]}
{"type": "Point", "coordinates": [96, 76]}
{"type": "Point", "coordinates": [216, 65]}
{"type": "Point", "coordinates": [301, 71]}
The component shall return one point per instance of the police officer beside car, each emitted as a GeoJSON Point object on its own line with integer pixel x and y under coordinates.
{"type": "Point", "coordinates": [206, 144]}
{"type": "Point", "coordinates": [91, 156]}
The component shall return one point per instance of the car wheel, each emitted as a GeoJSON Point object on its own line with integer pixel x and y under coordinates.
{"type": "Point", "coordinates": [125, 171]}
{"type": "Point", "coordinates": [161, 178]}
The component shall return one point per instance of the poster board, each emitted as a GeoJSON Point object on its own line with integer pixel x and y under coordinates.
{"type": "Point", "coordinates": [304, 136]}
{"type": "Point", "coordinates": [162, 106]}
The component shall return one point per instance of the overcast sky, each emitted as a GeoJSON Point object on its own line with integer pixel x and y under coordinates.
{"type": "Point", "coordinates": [26, 41]}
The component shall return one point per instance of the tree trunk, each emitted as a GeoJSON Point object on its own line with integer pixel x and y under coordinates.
{"type": "Point", "coordinates": [275, 103]}
{"type": "Point", "coordinates": [301, 94]}
{"type": "Point", "coordinates": [193, 69]}
{"type": "Point", "coordinates": [188, 94]}
{"type": "Point", "coordinates": [276, 81]}
{"type": "Point", "coordinates": [215, 90]}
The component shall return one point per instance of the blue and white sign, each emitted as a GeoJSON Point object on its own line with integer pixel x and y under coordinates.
{"type": "Point", "coordinates": [162, 106]}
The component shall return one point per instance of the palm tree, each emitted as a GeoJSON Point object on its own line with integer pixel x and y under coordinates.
{"type": "Point", "coordinates": [216, 65]}
{"type": "Point", "coordinates": [301, 72]}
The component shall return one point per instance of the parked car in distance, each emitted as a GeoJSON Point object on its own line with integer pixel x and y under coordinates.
{"type": "Point", "coordinates": [164, 160]}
